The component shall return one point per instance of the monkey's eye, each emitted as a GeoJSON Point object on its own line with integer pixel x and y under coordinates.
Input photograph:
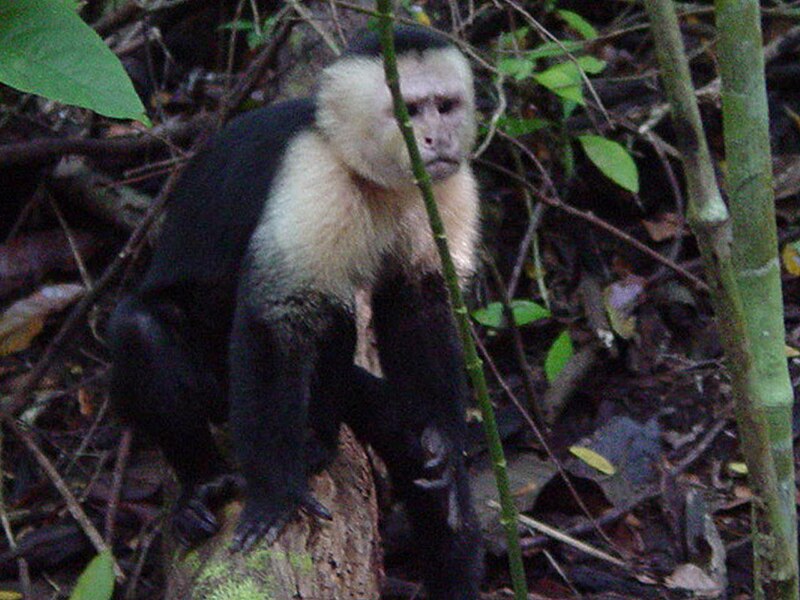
{"type": "Point", "coordinates": [413, 109]}
{"type": "Point", "coordinates": [445, 105]}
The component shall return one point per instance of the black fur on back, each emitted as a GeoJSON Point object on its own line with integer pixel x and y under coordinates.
{"type": "Point", "coordinates": [407, 38]}
{"type": "Point", "coordinates": [222, 193]}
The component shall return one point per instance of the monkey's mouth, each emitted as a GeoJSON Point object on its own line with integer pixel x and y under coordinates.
{"type": "Point", "coordinates": [442, 167]}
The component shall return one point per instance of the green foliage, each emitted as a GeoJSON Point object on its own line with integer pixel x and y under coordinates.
{"type": "Point", "coordinates": [512, 39]}
{"type": "Point", "coordinates": [46, 49]}
{"type": "Point", "coordinates": [555, 50]}
{"type": "Point", "coordinates": [585, 29]}
{"type": "Point", "coordinates": [561, 74]}
{"type": "Point", "coordinates": [518, 68]}
{"type": "Point", "coordinates": [613, 160]}
{"type": "Point", "coordinates": [565, 78]}
{"type": "Point", "coordinates": [524, 312]}
{"type": "Point", "coordinates": [489, 316]}
{"type": "Point", "coordinates": [255, 35]}
{"type": "Point", "coordinates": [558, 355]}
{"type": "Point", "coordinates": [517, 127]}
{"type": "Point", "coordinates": [97, 580]}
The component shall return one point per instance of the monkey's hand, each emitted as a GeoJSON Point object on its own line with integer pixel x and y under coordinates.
{"type": "Point", "coordinates": [261, 519]}
{"type": "Point", "coordinates": [194, 519]}
{"type": "Point", "coordinates": [440, 473]}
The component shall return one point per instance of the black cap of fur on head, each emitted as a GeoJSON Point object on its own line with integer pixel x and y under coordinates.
{"type": "Point", "coordinates": [406, 38]}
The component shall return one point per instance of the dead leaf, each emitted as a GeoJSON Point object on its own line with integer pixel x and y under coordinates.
{"type": "Point", "coordinates": [527, 476]}
{"type": "Point", "coordinates": [666, 226]}
{"type": "Point", "coordinates": [791, 259]}
{"type": "Point", "coordinates": [691, 577]}
{"type": "Point", "coordinates": [593, 459]}
{"type": "Point", "coordinates": [634, 450]}
{"type": "Point", "coordinates": [24, 320]}
{"type": "Point", "coordinates": [737, 469]}
{"type": "Point", "coordinates": [85, 402]}
{"type": "Point", "coordinates": [621, 299]}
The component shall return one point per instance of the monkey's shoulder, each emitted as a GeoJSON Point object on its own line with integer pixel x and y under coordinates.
{"type": "Point", "coordinates": [219, 199]}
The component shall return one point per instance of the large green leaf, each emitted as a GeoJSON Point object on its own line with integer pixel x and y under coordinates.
{"type": "Point", "coordinates": [523, 311]}
{"type": "Point", "coordinates": [565, 78]}
{"type": "Point", "coordinates": [613, 161]}
{"type": "Point", "coordinates": [518, 68]}
{"type": "Point", "coordinates": [46, 49]}
{"type": "Point", "coordinates": [516, 127]}
{"type": "Point", "coordinates": [97, 580]}
{"type": "Point", "coordinates": [558, 355]}
{"type": "Point", "coordinates": [489, 316]}
{"type": "Point", "coordinates": [578, 23]}
{"type": "Point", "coordinates": [552, 49]}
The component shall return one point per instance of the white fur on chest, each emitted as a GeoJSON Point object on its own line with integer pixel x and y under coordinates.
{"type": "Point", "coordinates": [332, 232]}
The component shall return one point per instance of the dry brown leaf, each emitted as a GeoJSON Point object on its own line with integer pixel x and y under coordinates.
{"type": "Point", "coordinates": [24, 320]}
{"type": "Point", "coordinates": [666, 226]}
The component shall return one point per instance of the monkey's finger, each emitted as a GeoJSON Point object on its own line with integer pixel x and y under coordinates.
{"type": "Point", "coordinates": [435, 446]}
{"type": "Point", "coordinates": [435, 461]}
{"type": "Point", "coordinates": [432, 484]}
{"type": "Point", "coordinates": [445, 481]}
{"type": "Point", "coordinates": [203, 515]}
{"type": "Point", "coordinates": [315, 508]}
{"type": "Point", "coordinates": [193, 524]}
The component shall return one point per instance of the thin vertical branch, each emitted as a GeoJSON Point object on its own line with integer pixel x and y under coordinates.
{"type": "Point", "coordinates": [508, 517]}
{"type": "Point", "coordinates": [745, 118]}
{"type": "Point", "coordinates": [774, 544]}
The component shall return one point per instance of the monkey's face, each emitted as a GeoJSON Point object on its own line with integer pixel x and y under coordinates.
{"type": "Point", "coordinates": [441, 115]}
{"type": "Point", "coordinates": [356, 115]}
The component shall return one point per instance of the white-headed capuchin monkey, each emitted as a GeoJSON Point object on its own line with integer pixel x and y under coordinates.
{"type": "Point", "coordinates": [247, 306]}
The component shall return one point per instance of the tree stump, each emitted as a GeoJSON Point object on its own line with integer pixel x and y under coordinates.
{"type": "Point", "coordinates": [311, 560]}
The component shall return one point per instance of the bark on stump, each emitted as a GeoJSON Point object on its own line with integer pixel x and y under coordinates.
{"type": "Point", "coordinates": [311, 560]}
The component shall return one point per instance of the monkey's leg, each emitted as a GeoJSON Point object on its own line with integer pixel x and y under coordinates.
{"type": "Point", "coordinates": [421, 431]}
{"type": "Point", "coordinates": [273, 363]}
{"type": "Point", "coordinates": [162, 391]}
{"type": "Point", "coordinates": [331, 388]}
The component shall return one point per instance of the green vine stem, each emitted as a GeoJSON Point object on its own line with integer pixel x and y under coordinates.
{"type": "Point", "coordinates": [474, 365]}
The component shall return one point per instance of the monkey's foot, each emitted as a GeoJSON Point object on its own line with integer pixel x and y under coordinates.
{"type": "Point", "coordinates": [440, 471]}
{"type": "Point", "coordinates": [194, 519]}
{"type": "Point", "coordinates": [259, 521]}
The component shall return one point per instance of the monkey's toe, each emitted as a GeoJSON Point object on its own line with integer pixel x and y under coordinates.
{"type": "Point", "coordinates": [259, 521]}
{"type": "Point", "coordinates": [255, 527]}
{"type": "Point", "coordinates": [193, 522]}
{"type": "Point", "coordinates": [315, 508]}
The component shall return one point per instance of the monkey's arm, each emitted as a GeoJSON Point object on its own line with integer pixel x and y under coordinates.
{"type": "Point", "coordinates": [420, 351]}
{"type": "Point", "coordinates": [424, 445]}
{"type": "Point", "coordinates": [269, 386]}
